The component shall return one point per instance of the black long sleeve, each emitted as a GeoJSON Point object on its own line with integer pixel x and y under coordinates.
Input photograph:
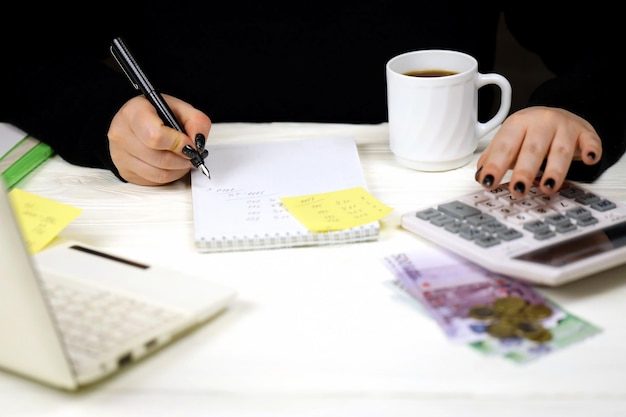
{"type": "Point", "coordinates": [55, 84]}
{"type": "Point", "coordinates": [581, 47]}
{"type": "Point", "coordinates": [257, 62]}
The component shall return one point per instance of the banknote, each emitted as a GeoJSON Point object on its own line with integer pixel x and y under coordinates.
{"type": "Point", "coordinates": [495, 314]}
{"type": "Point", "coordinates": [448, 287]}
{"type": "Point", "coordinates": [569, 330]}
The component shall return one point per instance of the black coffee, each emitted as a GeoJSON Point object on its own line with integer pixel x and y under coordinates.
{"type": "Point", "coordinates": [430, 73]}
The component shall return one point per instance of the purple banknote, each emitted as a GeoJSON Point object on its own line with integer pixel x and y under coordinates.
{"type": "Point", "coordinates": [494, 314]}
{"type": "Point", "coordinates": [450, 287]}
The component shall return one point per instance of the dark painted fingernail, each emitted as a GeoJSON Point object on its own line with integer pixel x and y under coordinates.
{"type": "Point", "coordinates": [190, 152]}
{"type": "Point", "coordinates": [193, 155]}
{"type": "Point", "coordinates": [549, 183]}
{"type": "Point", "coordinates": [200, 142]}
{"type": "Point", "coordinates": [591, 155]}
{"type": "Point", "coordinates": [488, 180]}
{"type": "Point", "coordinates": [205, 153]}
{"type": "Point", "coordinates": [477, 173]}
{"type": "Point", "coordinates": [520, 187]}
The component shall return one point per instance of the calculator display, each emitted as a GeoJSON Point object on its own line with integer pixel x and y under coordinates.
{"type": "Point", "coordinates": [576, 249]}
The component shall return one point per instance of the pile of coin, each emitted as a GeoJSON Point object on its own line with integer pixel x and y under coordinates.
{"type": "Point", "coordinates": [513, 317]}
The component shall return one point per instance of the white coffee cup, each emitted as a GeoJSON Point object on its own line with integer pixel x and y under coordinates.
{"type": "Point", "coordinates": [433, 120]}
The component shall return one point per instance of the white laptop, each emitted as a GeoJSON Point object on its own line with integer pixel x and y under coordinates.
{"type": "Point", "coordinates": [51, 322]}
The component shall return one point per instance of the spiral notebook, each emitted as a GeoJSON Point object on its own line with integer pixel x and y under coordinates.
{"type": "Point", "coordinates": [239, 208]}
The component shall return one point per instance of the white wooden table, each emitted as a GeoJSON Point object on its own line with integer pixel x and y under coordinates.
{"type": "Point", "coordinates": [318, 331]}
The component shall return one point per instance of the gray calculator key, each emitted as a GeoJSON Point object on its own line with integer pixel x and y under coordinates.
{"type": "Point", "coordinates": [536, 226]}
{"type": "Point", "coordinates": [557, 219]}
{"type": "Point", "coordinates": [571, 192]}
{"type": "Point", "coordinates": [510, 234]}
{"type": "Point", "coordinates": [494, 227]}
{"type": "Point", "coordinates": [471, 234]}
{"type": "Point", "coordinates": [442, 220]}
{"type": "Point", "coordinates": [587, 221]}
{"type": "Point", "coordinates": [544, 234]}
{"type": "Point", "coordinates": [480, 219]}
{"type": "Point", "coordinates": [603, 205]}
{"type": "Point", "coordinates": [427, 214]}
{"type": "Point", "coordinates": [578, 213]}
{"type": "Point", "coordinates": [487, 241]}
{"type": "Point", "coordinates": [565, 227]}
{"type": "Point", "coordinates": [587, 198]}
{"type": "Point", "coordinates": [454, 227]}
{"type": "Point", "coordinates": [458, 210]}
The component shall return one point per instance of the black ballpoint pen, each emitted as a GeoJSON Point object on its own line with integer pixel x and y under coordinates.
{"type": "Point", "coordinates": [138, 79]}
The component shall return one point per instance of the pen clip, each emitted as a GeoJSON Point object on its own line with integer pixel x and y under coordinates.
{"type": "Point", "coordinates": [131, 68]}
{"type": "Point", "coordinates": [138, 79]}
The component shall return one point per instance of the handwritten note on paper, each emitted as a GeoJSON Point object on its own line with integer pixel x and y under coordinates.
{"type": "Point", "coordinates": [336, 210]}
{"type": "Point", "coordinates": [239, 208]}
{"type": "Point", "coordinates": [40, 218]}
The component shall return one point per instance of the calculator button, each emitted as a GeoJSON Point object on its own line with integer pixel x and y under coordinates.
{"type": "Point", "coordinates": [548, 199]}
{"type": "Point", "coordinates": [471, 234]}
{"type": "Point", "coordinates": [534, 190]}
{"type": "Point", "coordinates": [475, 198]}
{"type": "Point", "coordinates": [487, 241]}
{"type": "Point", "coordinates": [454, 227]}
{"type": "Point", "coordinates": [544, 234]}
{"type": "Point", "coordinates": [564, 205]}
{"type": "Point", "coordinates": [571, 192]}
{"type": "Point", "coordinates": [557, 219]}
{"type": "Point", "coordinates": [489, 205]}
{"type": "Point", "coordinates": [504, 212]}
{"type": "Point", "coordinates": [508, 199]}
{"type": "Point", "coordinates": [542, 212]}
{"type": "Point", "coordinates": [520, 218]}
{"type": "Point", "coordinates": [565, 227]}
{"type": "Point", "coordinates": [587, 198]}
{"type": "Point", "coordinates": [536, 227]}
{"type": "Point", "coordinates": [528, 204]}
{"type": "Point", "coordinates": [497, 192]}
{"type": "Point", "coordinates": [578, 213]}
{"type": "Point", "coordinates": [427, 214]}
{"type": "Point", "coordinates": [603, 205]}
{"type": "Point", "coordinates": [480, 219]}
{"type": "Point", "coordinates": [510, 234]}
{"type": "Point", "coordinates": [494, 227]}
{"type": "Point", "coordinates": [587, 221]}
{"type": "Point", "coordinates": [458, 210]}
{"type": "Point", "coordinates": [442, 220]}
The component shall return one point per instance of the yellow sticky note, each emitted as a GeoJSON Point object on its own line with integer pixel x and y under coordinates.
{"type": "Point", "coordinates": [40, 218]}
{"type": "Point", "coordinates": [336, 210]}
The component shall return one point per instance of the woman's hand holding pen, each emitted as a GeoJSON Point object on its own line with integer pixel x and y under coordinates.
{"type": "Point", "coordinates": [531, 136]}
{"type": "Point", "coordinates": [145, 150]}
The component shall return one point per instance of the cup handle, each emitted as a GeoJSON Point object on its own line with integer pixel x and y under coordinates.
{"type": "Point", "coordinates": [505, 101]}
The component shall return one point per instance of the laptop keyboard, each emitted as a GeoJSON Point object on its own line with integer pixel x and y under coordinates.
{"type": "Point", "coordinates": [94, 321]}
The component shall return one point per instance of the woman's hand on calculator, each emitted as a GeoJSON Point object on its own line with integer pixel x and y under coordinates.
{"type": "Point", "coordinates": [532, 136]}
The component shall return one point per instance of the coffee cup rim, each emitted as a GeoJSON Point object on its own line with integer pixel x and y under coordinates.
{"type": "Point", "coordinates": [460, 62]}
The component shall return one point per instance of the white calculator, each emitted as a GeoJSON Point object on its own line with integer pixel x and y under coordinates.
{"type": "Point", "coordinates": [542, 239]}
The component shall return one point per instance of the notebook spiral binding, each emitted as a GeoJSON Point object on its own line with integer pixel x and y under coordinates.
{"type": "Point", "coordinates": [365, 233]}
